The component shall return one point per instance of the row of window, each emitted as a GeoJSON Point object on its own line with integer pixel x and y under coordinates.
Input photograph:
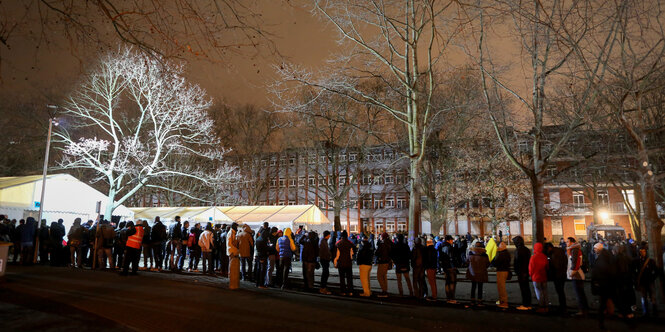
{"type": "Point", "coordinates": [322, 159]}
{"type": "Point", "coordinates": [367, 203]}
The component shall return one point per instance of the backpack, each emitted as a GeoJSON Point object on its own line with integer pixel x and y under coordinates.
{"type": "Point", "coordinates": [190, 241]}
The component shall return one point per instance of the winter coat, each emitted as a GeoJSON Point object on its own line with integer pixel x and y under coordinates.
{"type": "Point", "coordinates": [285, 245]}
{"type": "Point", "coordinates": [417, 256]}
{"type": "Point", "coordinates": [29, 231]}
{"type": "Point", "coordinates": [445, 256]}
{"type": "Point", "coordinates": [105, 236]}
{"type": "Point", "coordinates": [646, 273]}
{"type": "Point", "coordinates": [57, 232]}
{"type": "Point", "coordinates": [324, 250]}
{"type": "Point", "coordinates": [478, 264]}
{"type": "Point", "coordinates": [245, 241]}
{"type": "Point", "coordinates": [538, 264]}
{"type": "Point", "coordinates": [400, 255]}
{"type": "Point", "coordinates": [158, 232]}
{"type": "Point", "coordinates": [75, 232]}
{"type": "Point", "coordinates": [382, 252]}
{"type": "Point", "coordinates": [502, 260]}
{"type": "Point", "coordinates": [558, 264]}
{"type": "Point", "coordinates": [205, 241]}
{"type": "Point", "coordinates": [344, 253]}
{"type": "Point", "coordinates": [232, 243]}
{"type": "Point", "coordinates": [491, 249]}
{"type": "Point", "coordinates": [521, 260]}
{"type": "Point", "coordinates": [310, 248]}
{"type": "Point", "coordinates": [603, 273]}
{"type": "Point", "coordinates": [262, 244]}
{"type": "Point", "coordinates": [430, 258]}
{"type": "Point", "coordinates": [365, 253]}
{"type": "Point", "coordinates": [175, 231]}
{"type": "Point", "coordinates": [574, 270]}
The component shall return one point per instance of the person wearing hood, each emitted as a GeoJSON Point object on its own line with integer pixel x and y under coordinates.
{"type": "Point", "coordinates": [245, 244]}
{"type": "Point", "coordinates": [133, 247]}
{"type": "Point", "coordinates": [310, 253]}
{"type": "Point", "coordinates": [75, 236]}
{"type": "Point", "coordinates": [364, 261]}
{"type": "Point", "coordinates": [400, 255]}
{"type": "Point", "coordinates": [262, 253]}
{"type": "Point", "coordinates": [206, 245]}
{"type": "Point", "coordinates": [418, 266]}
{"type": "Point", "coordinates": [344, 263]}
{"type": "Point", "coordinates": [44, 242]}
{"type": "Point", "coordinates": [575, 273]}
{"type": "Point", "coordinates": [477, 272]}
{"type": "Point", "coordinates": [57, 232]}
{"type": "Point", "coordinates": [272, 255]}
{"type": "Point", "coordinates": [603, 275]}
{"type": "Point", "coordinates": [175, 243]}
{"type": "Point", "coordinates": [502, 264]}
{"type": "Point", "coordinates": [538, 272]}
{"type": "Point", "coordinates": [285, 247]}
{"type": "Point", "coordinates": [234, 260]}
{"type": "Point", "coordinates": [491, 248]}
{"type": "Point", "coordinates": [384, 263]}
{"type": "Point", "coordinates": [557, 272]}
{"type": "Point", "coordinates": [521, 266]}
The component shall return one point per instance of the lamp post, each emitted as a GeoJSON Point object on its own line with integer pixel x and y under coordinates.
{"type": "Point", "coordinates": [51, 122]}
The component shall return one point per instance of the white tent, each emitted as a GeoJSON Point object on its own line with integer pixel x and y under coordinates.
{"type": "Point", "coordinates": [66, 197]}
{"type": "Point", "coordinates": [276, 215]}
{"type": "Point", "coordinates": [200, 214]}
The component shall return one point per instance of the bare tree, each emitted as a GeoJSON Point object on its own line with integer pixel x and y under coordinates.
{"type": "Point", "coordinates": [400, 44]}
{"type": "Point", "coordinates": [129, 116]}
{"type": "Point", "coordinates": [564, 43]}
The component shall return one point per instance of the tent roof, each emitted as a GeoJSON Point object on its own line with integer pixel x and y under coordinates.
{"type": "Point", "coordinates": [188, 212]}
{"type": "Point", "coordinates": [12, 181]}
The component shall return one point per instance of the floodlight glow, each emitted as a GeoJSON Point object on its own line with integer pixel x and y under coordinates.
{"type": "Point", "coordinates": [604, 215]}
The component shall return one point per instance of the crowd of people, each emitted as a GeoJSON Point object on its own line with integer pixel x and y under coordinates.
{"type": "Point", "coordinates": [618, 268]}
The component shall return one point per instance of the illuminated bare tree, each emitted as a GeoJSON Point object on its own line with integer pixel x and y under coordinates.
{"type": "Point", "coordinates": [130, 117]}
{"type": "Point", "coordinates": [398, 43]}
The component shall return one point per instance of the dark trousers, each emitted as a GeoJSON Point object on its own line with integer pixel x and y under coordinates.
{"type": "Point", "coordinates": [194, 256]}
{"type": "Point", "coordinates": [16, 251]}
{"type": "Point", "coordinates": [284, 267]}
{"type": "Point", "coordinates": [261, 268]}
{"type": "Point", "coordinates": [308, 274]}
{"type": "Point", "coordinates": [325, 273]}
{"type": "Point", "coordinates": [224, 264]}
{"type": "Point", "coordinates": [27, 254]}
{"type": "Point", "coordinates": [419, 285]}
{"type": "Point", "coordinates": [345, 279]}
{"type": "Point", "coordinates": [559, 285]}
{"type": "Point", "coordinates": [451, 283]}
{"type": "Point", "coordinates": [56, 254]}
{"type": "Point", "coordinates": [132, 256]}
{"type": "Point", "coordinates": [118, 253]}
{"type": "Point", "coordinates": [582, 304]}
{"type": "Point", "coordinates": [525, 290]}
{"type": "Point", "coordinates": [158, 253]}
{"type": "Point", "coordinates": [207, 260]}
{"type": "Point", "coordinates": [474, 286]}
{"type": "Point", "coordinates": [43, 253]}
{"type": "Point", "coordinates": [246, 268]}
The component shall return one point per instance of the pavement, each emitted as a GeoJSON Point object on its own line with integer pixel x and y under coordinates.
{"type": "Point", "coordinates": [42, 298]}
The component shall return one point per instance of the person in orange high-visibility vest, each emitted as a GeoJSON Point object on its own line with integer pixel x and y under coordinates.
{"type": "Point", "coordinates": [133, 248]}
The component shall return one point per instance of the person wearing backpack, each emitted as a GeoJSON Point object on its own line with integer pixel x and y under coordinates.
{"type": "Point", "coordinates": [194, 248]}
{"type": "Point", "coordinates": [105, 238]}
{"type": "Point", "coordinates": [175, 242]}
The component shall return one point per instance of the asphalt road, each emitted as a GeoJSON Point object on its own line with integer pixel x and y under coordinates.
{"type": "Point", "coordinates": [62, 299]}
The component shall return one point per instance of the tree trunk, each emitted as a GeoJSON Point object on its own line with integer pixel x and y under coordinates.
{"type": "Point", "coordinates": [414, 201]}
{"type": "Point", "coordinates": [337, 219]}
{"type": "Point", "coordinates": [110, 205]}
{"type": "Point", "coordinates": [537, 209]}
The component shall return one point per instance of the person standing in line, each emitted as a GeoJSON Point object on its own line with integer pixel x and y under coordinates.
{"type": "Point", "coordinates": [175, 242]}
{"type": "Point", "coordinates": [105, 238]}
{"type": "Point", "coordinates": [206, 245]}
{"type": "Point", "coordinates": [57, 232]}
{"type": "Point", "coordinates": [430, 265]}
{"type": "Point", "coordinates": [44, 243]}
{"type": "Point", "coordinates": [262, 257]}
{"type": "Point", "coordinates": [521, 266]}
{"type": "Point", "coordinates": [224, 255]}
{"type": "Point", "coordinates": [285, 247]}
{"type": "Point", "coordinates": [364, 261]}
{"type": "Point", "coordinates": [502, 264]}
{"type": "Point", "coordinates": [417, 263]}
{"type": "Point", "coordinates": [538, 272]}
{"type": "Point", "coordinates": [400, 255]}
{"type": "Point", "coordinates": [575, 273]}
{"type": "Point", "coordinates": [557, 273]}
{"type": "Point", "coordinates": [324, 259]}
{"type": "Point", "coordinates": [245, 244]}
{"type": "Point", "coordinates": [384, 263]}
{"type": "Point", "coordinates": [147, 246]}
{"type": "Point", "coordinates": [133, 247]}
{"type": "Point", "coordinates": [28, 233]}
{"type": "Point", "coordinates": [624, 282]}
{"type": "Point", "coordinates": [477, 272]}
{"type": "Point", "coordinates": [272, 256]}
{"type": "Point", "coordinates": [603, 273]}
{"type": "Point", "coordinates": [158, 237]}
{"type": "Point", "coordinates": [343, 262]}
{"type": "Point", "coordinates": [182, 253]}
{"type": "Point", "coordinates": [75, 238]}
{"type": "Point", "coordinates": [447, 261]}
{"type": "Point", "coordinates": [234, 259]}
{"type": "Point", "coordinates": [309, 254]}
{"type": "Point", "coordinates": [645, 280]}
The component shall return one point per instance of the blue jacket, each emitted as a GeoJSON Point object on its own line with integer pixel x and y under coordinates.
{"type": "Point", "coordinates": [285, 247]}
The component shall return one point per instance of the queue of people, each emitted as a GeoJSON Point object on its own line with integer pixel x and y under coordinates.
{"type": "Point", "coordinates": [265, 258]}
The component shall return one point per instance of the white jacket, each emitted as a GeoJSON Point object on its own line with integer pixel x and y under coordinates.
{"type": "Point", "coordinates": [232, 243]}
{"type": "Point", "coordinates": [205, 241]}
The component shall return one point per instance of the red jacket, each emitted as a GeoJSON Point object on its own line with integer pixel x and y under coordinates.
{"type": "Point", "coordinates": [538, 264]}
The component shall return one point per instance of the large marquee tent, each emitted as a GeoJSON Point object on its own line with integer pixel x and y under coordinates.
{"type": "Point", "coordinates": [281, 216]}
{"type": "Point", "coordinates": [66, 197]}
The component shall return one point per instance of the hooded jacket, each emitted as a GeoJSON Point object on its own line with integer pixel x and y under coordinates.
{"type": "Point", "coordinates": [400, 255]}
{"type": "Point", "coordinates": [245, 241]}
{"type": "Point", "coordinates": [383, 251]}
{"type": "Point", "coordinates": [478, 263]}
{"type": "Point", "coordinates": [205, 241]}
{"type": "Point", "coordinates": [324, 250]}
{"type": "Point", "coordinates": [538, 264]}
{"type": "Point", "coordinates": [502, 259]}
{"type": "Point", "coordinates": [365, 253]}
{"type": "Point", "coordinates": [75, 232]}
{"type": "Point", "coordinates": [232, 243]}
{"type": "Point", "coordinates": [262, 244]}
{"type": "Point", "coordinates": [522, 257]}
{"type": "Point", "coordinates": [310, 248]}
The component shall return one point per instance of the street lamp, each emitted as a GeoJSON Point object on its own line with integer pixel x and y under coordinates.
{"type": "Point", "coordinates": [52, 121]}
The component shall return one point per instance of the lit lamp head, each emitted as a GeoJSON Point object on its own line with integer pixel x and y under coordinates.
{"type": "Point", "coordinates": [604, 215]}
